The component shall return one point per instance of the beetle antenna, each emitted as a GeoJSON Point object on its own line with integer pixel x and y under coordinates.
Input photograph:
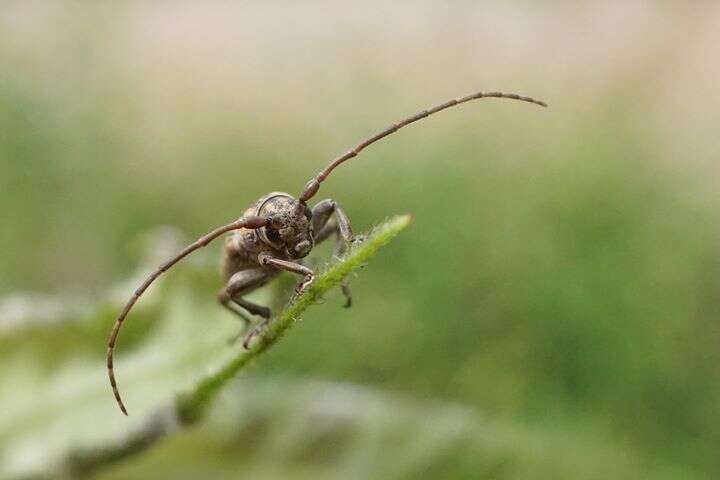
{"type": "Point", "coordinates": [313, 185]}
{"type": "Point", "coordinates": [250, 222]}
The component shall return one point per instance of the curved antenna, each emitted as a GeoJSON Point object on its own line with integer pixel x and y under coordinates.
{"type": "Point", "coordinates": [313, 185]}
{"type": "Point", "coordinates": [251, 222]}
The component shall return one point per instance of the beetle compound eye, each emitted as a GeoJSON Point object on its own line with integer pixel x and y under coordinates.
{"type": "Point", "coordinates": [272, 235]}
{"type": "Point", "coordinates": [308, 213]}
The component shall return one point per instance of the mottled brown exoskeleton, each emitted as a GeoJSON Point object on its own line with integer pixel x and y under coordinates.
{"type": "Point", "coordinates": [275, 234]}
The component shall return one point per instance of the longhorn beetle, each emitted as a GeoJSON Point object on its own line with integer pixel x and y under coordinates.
{"type": "Point", "coordinates": [274, 234]}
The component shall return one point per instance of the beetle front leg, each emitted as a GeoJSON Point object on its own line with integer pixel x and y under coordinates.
{"type": "Point", "coordinates": [270, 261]}
{"type": "Point", "coordinates": [309, 275]}
{"type": "Point", "coordinates": [321, 214]}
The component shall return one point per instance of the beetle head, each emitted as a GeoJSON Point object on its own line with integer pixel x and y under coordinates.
{"type": "Point", "coordinates": [290, 228]}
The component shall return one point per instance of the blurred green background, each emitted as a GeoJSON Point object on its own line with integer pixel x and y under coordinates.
{"type": "Point", "coordinates": [559, 288]}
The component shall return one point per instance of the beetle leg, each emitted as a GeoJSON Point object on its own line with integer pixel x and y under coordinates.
{"type": "Point", "coordinates": [241, 283]}
{"type": "Point", "coordinates": [278, 264]}
{"type": "Point", "coordinates": [325, 224]}
{"type": "Point", "coordinates": [321, 214]}
{"type": "Point", "coordinates": [309, 275]}
{"type": "Point", "coordinates": [224, 300]}
{"type": "Point", "coordinates": [260, 328]}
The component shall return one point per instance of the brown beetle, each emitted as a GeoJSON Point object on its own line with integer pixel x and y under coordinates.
{"type": "Point", "coordinates": [275, 234]}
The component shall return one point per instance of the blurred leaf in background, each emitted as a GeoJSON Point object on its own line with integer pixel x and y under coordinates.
{"type": "Point", "coordinates": [559, 286]}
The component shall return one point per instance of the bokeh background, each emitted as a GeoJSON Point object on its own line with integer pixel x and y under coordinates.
{"type": "Point", "coordinates": [552, 312]}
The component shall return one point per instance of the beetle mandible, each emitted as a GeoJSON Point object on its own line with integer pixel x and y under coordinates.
{"type": "Point", "coordinates": [275, 234]}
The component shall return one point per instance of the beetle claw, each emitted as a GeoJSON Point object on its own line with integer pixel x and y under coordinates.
{"type": "Point", "coordinates": [305, 284]}
{"type": "Point", "coordinates": [254, 333]}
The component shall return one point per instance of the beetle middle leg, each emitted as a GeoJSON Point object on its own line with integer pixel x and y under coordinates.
{"type": "Point", "coordinates": [325, 224]}
{"type": "Point", "coordinates": [241, 283]}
